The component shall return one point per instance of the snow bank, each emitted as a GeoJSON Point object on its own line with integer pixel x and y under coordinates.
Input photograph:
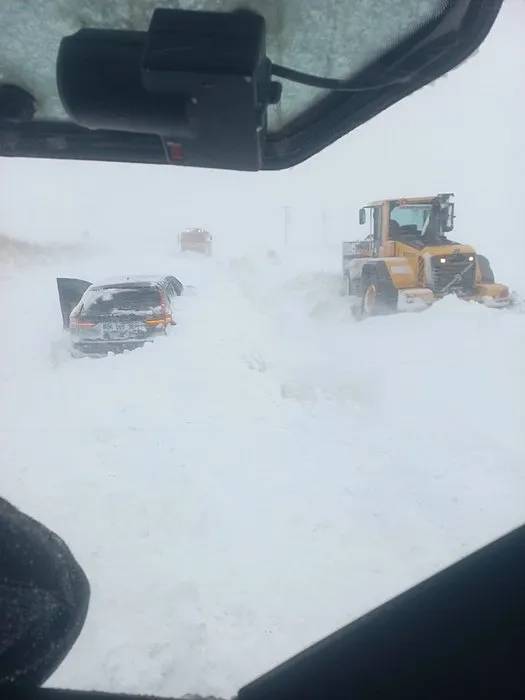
{"type": "Point", "coordinates": [16, 253]}
{"type": "Point", "coordinates": [264, 474]}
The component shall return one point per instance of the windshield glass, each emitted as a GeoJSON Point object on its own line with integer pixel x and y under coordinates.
{"type": "Point", "coordinates": [107, 300]}
{"type": "Point", "coordinates": [334, 39]}
{"type": "Point", "coordinates": [412, 216]}
{"type": "Point", "coordinates": [303, 435]}
{"type": "Point", "coordinates": [195, 236]}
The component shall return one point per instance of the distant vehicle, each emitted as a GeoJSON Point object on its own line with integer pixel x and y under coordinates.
{"type": "Point", "coordinates": [116, 315]}
{"type": "Point", "coordinates": [407, 261]}
{"type": "Point", "coordinates": [196, 240]}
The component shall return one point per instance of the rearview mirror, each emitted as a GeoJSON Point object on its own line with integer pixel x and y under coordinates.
{"type": "Point", "coordinates": [362, 216]}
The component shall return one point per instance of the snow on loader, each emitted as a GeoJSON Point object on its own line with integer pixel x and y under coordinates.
{"type": "Point", "coordinates": [407, 261]}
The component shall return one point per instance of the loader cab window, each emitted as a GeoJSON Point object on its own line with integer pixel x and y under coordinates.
{"type": "Point", "coordinates": [411, 217]}
{"type": "Point", "coordinates": [409, 222]}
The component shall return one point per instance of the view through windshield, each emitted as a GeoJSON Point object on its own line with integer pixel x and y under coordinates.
{"type": "Point", "coordinates": [286, 445]}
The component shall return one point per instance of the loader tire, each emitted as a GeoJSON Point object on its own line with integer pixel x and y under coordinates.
{"type": "Point", "coordinates": [487, 276]}
{"type": "Point", "coordinates": [378, 293]}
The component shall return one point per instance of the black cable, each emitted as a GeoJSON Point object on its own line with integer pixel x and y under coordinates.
{"type": "Point", "coordinates": [333, 84]}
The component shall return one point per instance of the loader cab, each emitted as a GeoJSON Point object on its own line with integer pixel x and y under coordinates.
{"type": "Point", "coordinates": [410, 223]}
{"type": "Point", "coordinates": [420, 222]}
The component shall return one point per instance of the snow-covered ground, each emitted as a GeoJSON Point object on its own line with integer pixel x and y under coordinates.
{"type": "Point", "coordinates": [264, 474]}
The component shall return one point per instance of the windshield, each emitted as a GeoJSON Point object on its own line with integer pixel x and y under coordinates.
{"type": "Point", "coordinates": [107, 300]}
{"type": "Point", "coordinates": [413, 216]}
{"type": "Point", "coordinates": [335, 39]}
{"type": "Point", "coordinates": [196, 236]}
{"type": "Point", "coordinates": [303, 435]}
{"type": "Point", "coordinates": [417, 222]}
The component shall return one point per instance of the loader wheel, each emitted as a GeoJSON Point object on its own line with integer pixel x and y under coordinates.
{"type": "Point", "coordinates": [369, 301]}
{"type": "Point", "coordinates": [379, 295]}
{"type": "Point", "coordinates": [487, 275]}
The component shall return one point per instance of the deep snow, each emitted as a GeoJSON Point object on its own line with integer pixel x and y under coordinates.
{"type": "Point", "coordinates": [264, 474]}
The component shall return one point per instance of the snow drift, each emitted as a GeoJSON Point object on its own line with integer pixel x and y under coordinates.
{"type": "Point", "coordinates": [265, 473]}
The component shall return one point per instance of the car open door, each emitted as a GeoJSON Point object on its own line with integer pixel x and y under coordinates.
{"type": "Point", "coordinates": [70, 292]}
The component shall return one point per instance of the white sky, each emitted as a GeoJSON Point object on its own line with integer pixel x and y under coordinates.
{"type": "Point", "coordinates": [463, 134]}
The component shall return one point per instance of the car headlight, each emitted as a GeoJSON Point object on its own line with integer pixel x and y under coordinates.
{"type": "Point", "coordinates": [471, 258]}
{"type": "Point", "coordinates": [443, 260]}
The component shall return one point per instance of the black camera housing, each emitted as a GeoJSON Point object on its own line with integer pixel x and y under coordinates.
{"type": "Point", "coordinates": [199, 80]}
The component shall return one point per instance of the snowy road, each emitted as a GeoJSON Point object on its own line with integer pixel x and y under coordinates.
{"type": "Point", "coordinates": [265, 473]}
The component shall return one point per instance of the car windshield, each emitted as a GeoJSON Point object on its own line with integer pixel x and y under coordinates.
{"type": "Point", "coordinates": [312, 426]}
{"type": "Point", "coordinates": [109, 299]}
{"type": "Point", "coordinates": [336, 39]}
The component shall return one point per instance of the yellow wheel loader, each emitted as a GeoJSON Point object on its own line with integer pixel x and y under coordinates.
{"type": "Point", "coordinates": [407, 261]}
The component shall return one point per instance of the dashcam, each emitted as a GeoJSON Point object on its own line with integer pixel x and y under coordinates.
{"type": "Point", "coordinates": [201, 81]}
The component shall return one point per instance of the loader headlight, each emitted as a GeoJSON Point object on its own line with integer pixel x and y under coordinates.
{"type": "Point", "coordinates": [471, 258]}
{"type": "Point", "coordinates": [443, 260]}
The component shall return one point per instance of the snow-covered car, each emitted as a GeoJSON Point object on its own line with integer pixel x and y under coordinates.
{"type": "Point", "coordinates": [116, 315]}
